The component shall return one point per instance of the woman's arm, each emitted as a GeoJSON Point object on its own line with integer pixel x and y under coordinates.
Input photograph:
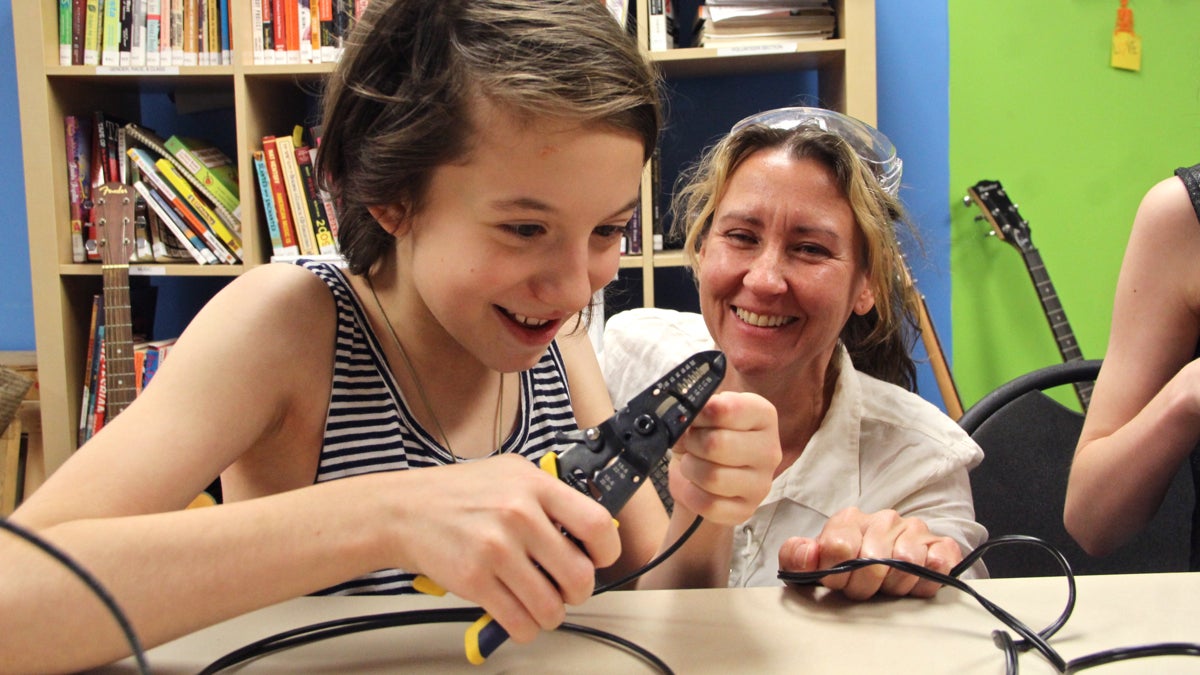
{"type": "Point", "coordinates": [1144, 416]}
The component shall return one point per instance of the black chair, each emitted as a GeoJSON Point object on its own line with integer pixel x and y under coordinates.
{"type": "Point", "coordinates": [1028, 440]}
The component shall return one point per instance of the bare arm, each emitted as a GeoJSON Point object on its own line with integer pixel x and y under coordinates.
{"type": "Point", "coordinates": [252, 372]}
{"type": "Point", "coordinates": [1144, 417]}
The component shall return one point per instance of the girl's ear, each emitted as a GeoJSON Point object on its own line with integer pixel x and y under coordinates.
{"type": "Point", "coordinates": [392, 218]}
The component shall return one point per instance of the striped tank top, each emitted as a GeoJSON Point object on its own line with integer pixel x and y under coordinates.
{"type": "Point", "coordinates": [370, 427]}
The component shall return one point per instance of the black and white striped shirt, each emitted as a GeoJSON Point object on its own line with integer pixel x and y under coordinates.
{"type": "Point", "coordinates": [370, 428]}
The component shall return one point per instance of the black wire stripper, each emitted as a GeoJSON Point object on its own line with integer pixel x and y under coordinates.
{"type": "Point", "coordinates": [611, 461]}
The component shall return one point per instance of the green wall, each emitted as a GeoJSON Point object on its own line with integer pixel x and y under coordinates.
{"type": "Point", "coordinates": [1076, 143]}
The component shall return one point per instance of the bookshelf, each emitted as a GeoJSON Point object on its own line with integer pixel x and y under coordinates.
{"type": "Point", "coordinates": [266, 100]}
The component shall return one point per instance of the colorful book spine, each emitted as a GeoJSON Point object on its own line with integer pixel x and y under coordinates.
{"type": "Point", "coordinates": [283, 210]}
{"type": "Point", "coordinates": [230, 240]}
{"type": "Point", "coordinates": [90, 362]}
{"type": "Point", "coordinates": [64, 32]}
{"type": "Point", "coordinates": [316, 209]}
{"type": "Point", "coordinates": [210, 166]}
{"type": "Point", "coordinates": [138, 35]}
{"type": "Point", "coordinates": [264, 188]}
{"type": "Point", "coordinates": [79, 161]}
{"type": "Point", "coordinates": [92, 34]}
{"type": "Point", "coordinates": [305, 234]}
{"type": "Point", "coordinates": [145, 163]}
{"type": "Point", "coordinates": [326, 199]}
{"type": "Point", "coordinates": [177, 227]}
{"type": "Point", "coordinates": [151, 140]}
{"type": "Point", "coordinates": [153, 32]}
{"type": "Point", "coordinates": [110, 50]}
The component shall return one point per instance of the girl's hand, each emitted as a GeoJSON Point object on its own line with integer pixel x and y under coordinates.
{"type": "Point", "coordinates": [489, 532]}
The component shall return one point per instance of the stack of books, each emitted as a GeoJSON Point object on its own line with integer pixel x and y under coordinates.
{"type": "Point", "coordinates": [749, 23]}
{"type": "Point", "coordinates": [301, 220]}
{"type": "Point", "coordinates": [144, 33]}
{"type": "Point", "coordinates": [188, 206]}
{"type": "Point", "coordinates": [302, 31]}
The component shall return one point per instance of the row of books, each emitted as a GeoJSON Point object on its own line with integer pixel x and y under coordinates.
{"type": "Point", "coordinates": [742, 23]}
{"type": "Point", "coordinates": [188, 189]}
{"type": "Point", "coordinates": [302, 31]}
{"type": "Point", "coordinates": [299, 213]}
{"type": "Point", "coordinates": [147, 356]}
{"type": "Point", "coordinates": [150, 33]}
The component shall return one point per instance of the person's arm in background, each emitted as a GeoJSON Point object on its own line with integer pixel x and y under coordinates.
{"type": "Point", "coordinates": [1144, 417]}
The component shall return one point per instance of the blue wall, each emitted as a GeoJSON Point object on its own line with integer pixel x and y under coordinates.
{"type": "Point", "coordinates": [16, 296]}
{"type": "Point", "coordinates": [912, 66]}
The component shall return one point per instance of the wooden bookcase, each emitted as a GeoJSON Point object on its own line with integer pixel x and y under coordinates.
{"type": "Point", "coordinates": [266, 100]}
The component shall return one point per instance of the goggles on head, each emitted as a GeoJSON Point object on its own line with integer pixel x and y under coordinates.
{"type": "Point", "coordinates": [873, 148]}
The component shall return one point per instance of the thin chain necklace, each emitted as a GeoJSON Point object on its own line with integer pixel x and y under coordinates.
{"type": "Point", "coordinates": [412, 373]}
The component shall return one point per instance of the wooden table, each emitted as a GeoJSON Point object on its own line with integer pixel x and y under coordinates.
{"type": "Point", "coordinates": [760, 630]}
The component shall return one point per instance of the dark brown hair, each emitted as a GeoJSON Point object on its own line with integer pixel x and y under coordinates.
{"type": "Point", "coordinates": [399, 103]}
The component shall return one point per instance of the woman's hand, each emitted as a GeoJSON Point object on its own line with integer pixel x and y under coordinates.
{"type": "Point", "coordinates": [722, 467]}
{"type": "Point", "coordinates": [850, 534]}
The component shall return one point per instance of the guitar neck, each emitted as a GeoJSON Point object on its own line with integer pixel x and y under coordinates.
{"type": "Point", "coordinates": [120, 388]}
{"type": "Point", "coordinates": [1068, 347]}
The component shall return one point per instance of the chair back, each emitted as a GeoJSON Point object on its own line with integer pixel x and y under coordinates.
{"type": "Point", "coordinates": [1028, 440]}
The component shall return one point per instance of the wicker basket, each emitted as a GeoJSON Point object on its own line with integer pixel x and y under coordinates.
{"type": "Point", "coordinates": [13, 387]}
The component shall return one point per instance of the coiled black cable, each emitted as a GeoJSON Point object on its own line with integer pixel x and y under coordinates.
{"type": "Point", "coordinates": [1032, 639]}
{"type": "Point", "coordinates": [135, 645]}
{"type": "Point", "coordinates": [338, 627]}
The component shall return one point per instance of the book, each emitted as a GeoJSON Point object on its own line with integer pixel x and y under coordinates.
{"type": "Point", "coordinates": [93, 27]}
{"type": "Point", "coordinates": [175, 34]}
{"type": "Point", "coordinates": [64, 32]}
{"type": "Point", "coordinates": [137, 34]}
{"type": "Point", "coordinates": [326, 244]}
{"type": "Point", "coordinates": [157, 145]}
{"type": "Point", "coordinates": [306, 236]}
{"type": "Point", "coordinates": [278, 248]}
{"type": "Point", "coordinates": [125, 36]}
{"type": "Point", "coordinates": [211, 166]}
{"type": "Point", "coordinates": [165, 247]}
{"type": "Point", "coordinates": [229, 239]}
{"type": "Point", "coordinates": [78, 30]}
{"type": "Point", "coordinates": [89, 373]}
{"type": "Point", "coordinates": [191, 32]}
{"type": "Point", "coordinates": [304, 24]}
{"type": "Point", "coordinates": [79, 188]}
{"type": "Point", "coordinates": [154, 24]}
{"type": "Point", "coordinates": [658, 24]}
{"type": "Point", "coordinates": [326, 199]}
{"type": "Point", "coordinates": [283, 210]}
{"type": "Point", "coordinates": [174, 224]}
{"type": "Point", "coordinates": [110, 49]}
{"type": "Point", "coordinates": [145, 163]}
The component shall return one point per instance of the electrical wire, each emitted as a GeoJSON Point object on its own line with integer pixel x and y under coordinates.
{"type": "Point", "coordinates": [93, 584]}
{"type": "Point", "coordinates": [331, 629]}
{"type": "Point", "coordinates": [1004, 641]}
{"type": "Point", "coordinates": [1038, 640]}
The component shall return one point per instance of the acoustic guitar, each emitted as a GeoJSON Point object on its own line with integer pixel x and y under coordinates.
{"type": "Point", "coordinates": [113, 205]}
{"type": "Point", "coordinates": [1010, 227]}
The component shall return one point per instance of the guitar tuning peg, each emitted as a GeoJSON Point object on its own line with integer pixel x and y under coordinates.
{"type": "Point", "coordinates": [966, 200]}
{"type": "Point", "coordinates": [978, 218]}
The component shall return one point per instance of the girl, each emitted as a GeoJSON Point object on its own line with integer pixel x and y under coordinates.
{"type": "Point", "coordinates": [486, 156]}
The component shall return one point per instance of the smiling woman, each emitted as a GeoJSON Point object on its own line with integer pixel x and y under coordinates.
{"type": "Point", "coordinates": [790, 226]}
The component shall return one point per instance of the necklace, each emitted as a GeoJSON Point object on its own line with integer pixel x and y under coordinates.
{"type": "Point", "coordinates": [412, 373]}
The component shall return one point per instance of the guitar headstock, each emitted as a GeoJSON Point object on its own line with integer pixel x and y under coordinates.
{"type": "Point", "coordinates": [1001, 213]}
{"type": "Point", "coordinates": [113, 210]}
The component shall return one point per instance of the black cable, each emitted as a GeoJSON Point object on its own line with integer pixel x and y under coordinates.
{"type": "Point", "coordinates": [1002, 639]}
{"type": "Point", "coordinates": [91, 582]}
{"type": "Point", "coordinates": [330, 629]}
